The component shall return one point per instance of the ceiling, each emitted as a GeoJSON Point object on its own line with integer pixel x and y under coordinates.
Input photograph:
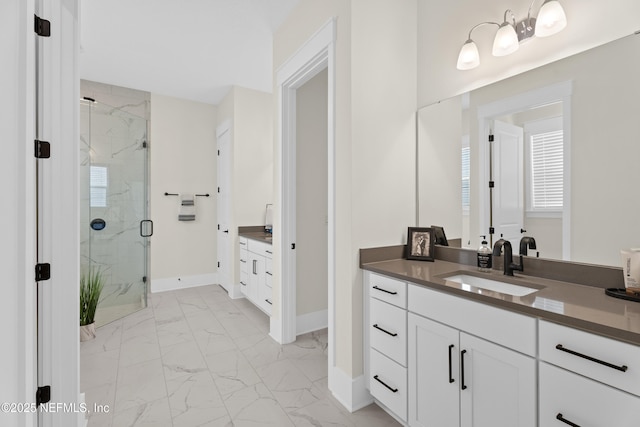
{"type": "Point", "coordinates": [191, 49]}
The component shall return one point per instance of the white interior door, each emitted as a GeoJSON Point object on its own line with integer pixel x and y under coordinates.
{"type": "Point", "coordinates": [508, 176]}
{"type": "Point", "coordinates": [223, 207]}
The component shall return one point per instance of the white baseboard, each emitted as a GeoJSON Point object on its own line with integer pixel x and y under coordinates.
{"type": "Point", "coordinates": [352, 393]}
{"type": "Point", "coordinates": [183, 282]}
{"type": "Point", "coordinates": [275, 329]}
{"type": "Point", "coordinates": [234, 291]}
{"type": "Point", "coordinates": [312, 322]}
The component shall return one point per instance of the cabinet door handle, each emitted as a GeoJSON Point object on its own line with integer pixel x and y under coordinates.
{"type": "Point", "coordinates": [566, 421]}
{"type": "Point", "coordinates": [462, 353]}
{"type": "Point", "coordinates": [385, 331]}
{"type": "Point", "coordinates": [384, 290]}
{"type": "Point", "coordinates": [622, 368]}
{"type": "Point", "coordinates": [450, 367]}
{"type": "Point", "coordinates": [375, 377]}
{"type": "Point", "coordinates": [255, 261]}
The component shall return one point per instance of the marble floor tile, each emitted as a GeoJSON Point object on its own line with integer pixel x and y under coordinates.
{"type": "Point", "coordinates": [195, 401]}
{"type": "Point", "coordinates": [289, 385]}
{"type": "Point", "coordinates": [107, 338]}
{"type": "Point", "coordinates": [194, 357]}
{"type": "Point", "coordinates": [255, 406]}
{"type": "Point", "coordinates": [149, 414]}
{"type": "Point", "coordinates": [320, 413]}
{"type": "Point", "coordinates": [140, 384]}
{"type": "Point", "coordinates": [182, 360]}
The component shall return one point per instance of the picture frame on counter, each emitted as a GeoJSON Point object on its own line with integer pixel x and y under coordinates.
{"type": "Point", "coordinates": [420, 241]}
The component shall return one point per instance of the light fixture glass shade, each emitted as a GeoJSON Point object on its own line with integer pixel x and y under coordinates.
{"type": "Point", "coordinates": [551, 19]}
{"type": "Point", "coordinates": [506, 40]}
{"type": "Point", "coordinates": [469, 57]}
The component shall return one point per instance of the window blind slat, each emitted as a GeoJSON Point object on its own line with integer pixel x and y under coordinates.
{"type": "Point", "coordinates": [547, 164]}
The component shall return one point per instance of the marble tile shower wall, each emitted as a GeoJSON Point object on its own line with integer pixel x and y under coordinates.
{"type": "Point", "coordinates": [111, 135]}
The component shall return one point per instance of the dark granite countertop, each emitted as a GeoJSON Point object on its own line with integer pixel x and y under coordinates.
{"type": "Point", "coordinates": [255, 233]}
{"type": "Point", "coordinates": [578, 306]}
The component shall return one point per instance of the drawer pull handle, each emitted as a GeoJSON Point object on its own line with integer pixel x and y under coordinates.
{"type": "Point", "coordinates": [463, 385]}
{"type": "Point", "coordinates": [450, 367]}
{"type": "Point", "coordinates": [268, 302]}
{"type": "Point", "coordinates": [566, 421]}
{"type": "Point", "coordinates": [386, 291]}
{"type": "Point", "coordinates": [375, 377]}
{"type": "Point", "coordinates": [242, 260]}
{"type": "Point", "coordinates": [269, 273]}
{"type": "Point", "coordinates": [269, 252]}
{"type": "Point", "coordinates": [622, 368]}
{"type": "Point", "coordinates": [243, 284]}
{"type": "Point", "coordinates": [385, 331]}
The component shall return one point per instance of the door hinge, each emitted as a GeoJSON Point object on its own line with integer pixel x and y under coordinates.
{"type": "Point", "coordinates": [218, 264]}
{"type": "Point", "coordinates": [43, 395]}
{"type": "Point", "coordinates": [492, 230]}
{"type": "Point", "coordinates": [218, 226]}
{"type": "Point", "coordinates": [42, 149]}
{"type": "Point", "coordinates": [218, 189]}
{"type": "Point", "coordinates": [490, 138]}
{"type": "Point", "coordinates": [42, 27]}
{"type": "Point", "coordinates": [144, 279]}
{"type": "Point", "coordinates": [492, 184]}
{"type": "Point", "coordinates": [43, 272]}
{"type": "Point", "coordinates": [293, 246]}
{"type": "Point", "coordinates": [144, 144]}
{"type": "Point", "coordinates": [218, 152]}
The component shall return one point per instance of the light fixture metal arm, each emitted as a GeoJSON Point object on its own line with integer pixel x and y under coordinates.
{"type": "Point", "coordinates": [481, 24]}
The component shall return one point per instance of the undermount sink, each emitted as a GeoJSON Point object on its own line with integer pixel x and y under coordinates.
{"type": "Point", "coordinates": [491, 285]}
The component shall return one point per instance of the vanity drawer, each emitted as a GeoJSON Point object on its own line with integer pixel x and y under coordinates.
{"type": "Point", "coordinates": [603, 359]}
{"type": "Point", "coordinates": [388, 383]}
{"type": "Point", "coordinates": [260, 248]}
{"type": "Point", "coordinates": [388, 330]}
{"type": "Point", "coordinates": [387, 289]}
{"type": "Point", "coordinates": [582, 401]}
{"type": "Point", "coordinates": [509, 329]}
{"type": "Point", "coordinates": [244, 257]}
{"type": "Point", "coordinates": [244, 281]}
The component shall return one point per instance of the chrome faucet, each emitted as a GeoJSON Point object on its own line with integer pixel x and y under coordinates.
{"type": "Point", "coordinates": [509, 265]}
{"type": "Point", "coordinates": [527, 242]}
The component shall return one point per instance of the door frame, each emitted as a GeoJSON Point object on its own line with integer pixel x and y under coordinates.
{"type": "Point", "coordinates": [317, 54]}
{"type": "Point", "coordinates": [534, 98]}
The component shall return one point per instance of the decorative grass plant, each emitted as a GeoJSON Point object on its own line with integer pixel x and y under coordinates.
{"type": "Point", "coordinates": [91, 283]}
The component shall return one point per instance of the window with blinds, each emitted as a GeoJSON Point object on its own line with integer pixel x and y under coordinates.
{"type": "Point", "coordinates": [98, 182]}
{"type": "Point", "coordinates": [547, 170]}
{"type": "Point", "coordinates": [466, 172]}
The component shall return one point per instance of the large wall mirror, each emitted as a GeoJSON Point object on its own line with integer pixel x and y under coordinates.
{"type": "Point", "coordinates": [564, 158]}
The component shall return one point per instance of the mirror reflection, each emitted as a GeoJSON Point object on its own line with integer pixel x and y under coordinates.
{"type": "Point", "coordinates": [564, 158]}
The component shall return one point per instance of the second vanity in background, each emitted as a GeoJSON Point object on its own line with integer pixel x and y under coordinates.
{"type": "Point", "coordinates": [256, 256]}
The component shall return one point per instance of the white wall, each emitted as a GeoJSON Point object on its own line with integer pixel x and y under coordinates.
{"type": "Point", "coordinates": [251, 115]}
{"type": "Point", "coordinates": [444, 27]}
{"type": "Point", "coordinates": [311, 196]}
{"type": "Point", "coordinates": [375, 104]}
{"type": "Point", "coordinates": [182, 153]}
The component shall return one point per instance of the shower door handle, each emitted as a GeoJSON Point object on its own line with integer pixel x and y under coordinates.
{"type": "Point", "coordinates": [150, 228]}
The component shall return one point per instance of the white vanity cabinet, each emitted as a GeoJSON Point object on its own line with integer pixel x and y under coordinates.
{"type": "Point", "coordinates": [387, 337]}
{"type": "Point", "coordinates": [458, 379]}
{"type": "Point", "coordinates": [255, 272]}
{"type": "Point", "coordinates": [586, 379]}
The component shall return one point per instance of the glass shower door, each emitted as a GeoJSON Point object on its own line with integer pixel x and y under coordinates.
{"type": "Point", "coordinates": [114, 226]}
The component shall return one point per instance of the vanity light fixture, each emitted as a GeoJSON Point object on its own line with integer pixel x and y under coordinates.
{"type": "Point", "coordinates": [551, 19]}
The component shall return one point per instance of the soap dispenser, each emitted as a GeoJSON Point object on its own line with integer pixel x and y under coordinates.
{"type": "Point", "coordinates": [484, 256]}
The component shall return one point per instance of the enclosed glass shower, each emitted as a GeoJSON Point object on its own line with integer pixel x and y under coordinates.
{"type": "Point", "coordinates": [114, 229]}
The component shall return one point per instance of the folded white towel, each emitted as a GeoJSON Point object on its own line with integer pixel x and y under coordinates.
{"type": "Point", "coordinates": [187, 210]}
